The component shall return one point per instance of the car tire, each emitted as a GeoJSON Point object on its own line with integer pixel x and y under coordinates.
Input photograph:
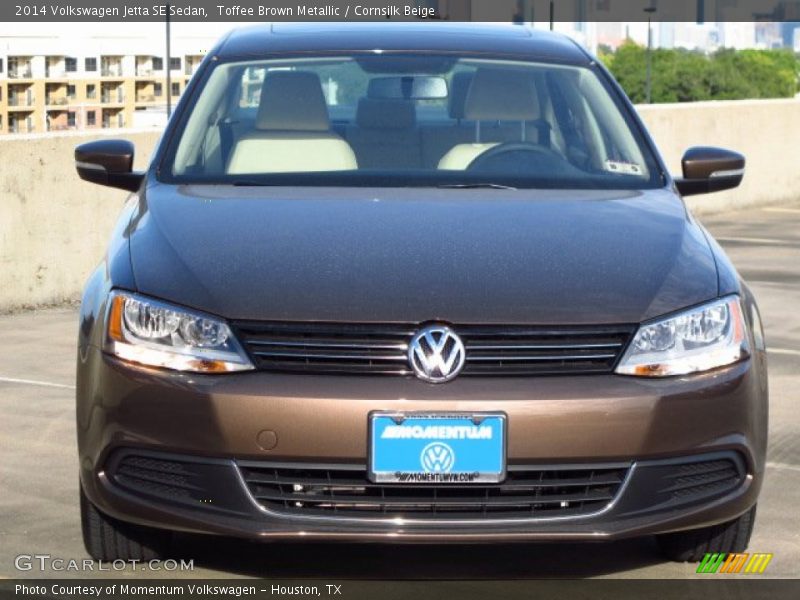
{"type": "Point", "coordinates": [693, 545]}
{"type": "Point", "coordinates": [109, 539]}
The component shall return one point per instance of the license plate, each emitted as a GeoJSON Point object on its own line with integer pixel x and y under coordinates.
{"type": "Point", "coordinates": [420, 448]}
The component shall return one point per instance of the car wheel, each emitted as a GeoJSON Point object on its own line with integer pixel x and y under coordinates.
{"type": "Point", "coordinates": [693, 545]}
{"type": "Point", "coordinates": [106, 538]}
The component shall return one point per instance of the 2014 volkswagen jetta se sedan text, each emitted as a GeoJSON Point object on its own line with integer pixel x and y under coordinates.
{"type": "Point", "coordinates": [414, 282]}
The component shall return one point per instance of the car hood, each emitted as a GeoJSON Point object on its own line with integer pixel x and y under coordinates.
{"type": "Point", "coordinates": [414, 255]}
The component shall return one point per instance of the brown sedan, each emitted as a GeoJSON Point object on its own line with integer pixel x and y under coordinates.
{"type": "Point", "coordinates": [414, 282]}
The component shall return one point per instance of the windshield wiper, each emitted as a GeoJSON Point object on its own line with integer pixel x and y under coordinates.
{"type": "Point", "coordinates": [475, 186]}
{"type": "Point", "coordinates": [451, 186]}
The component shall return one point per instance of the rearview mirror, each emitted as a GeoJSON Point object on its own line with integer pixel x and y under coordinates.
{"type": "Point", "coordinates": [108, 162]}
{"type": "Point", "coordinates": [408, 87]}
{"type": "Point", "coordinates": [707, 169]}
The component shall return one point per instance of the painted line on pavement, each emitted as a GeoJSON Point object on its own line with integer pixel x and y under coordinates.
{"type": "Point", "coordinates": [786, 351]}
{"type": "Point", "coordinates": [35, 382]}
{"type": "Point", "coordinates": [762, 241]}
{"type": "Point", "coordinates": [795, 211]}
{"type": "Point", "coordinates": [784, 466]}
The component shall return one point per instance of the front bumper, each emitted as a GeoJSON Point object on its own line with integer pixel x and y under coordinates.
{"type": "Point", "coordinates": [213, 424]}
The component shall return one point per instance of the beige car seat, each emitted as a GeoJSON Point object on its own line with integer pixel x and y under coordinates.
{"type": "Point", "coordinates": [292, 130]}
{"type": "Point", "coordinates": [494, 95]}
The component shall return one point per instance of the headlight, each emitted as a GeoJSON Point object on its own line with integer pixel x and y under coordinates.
{"type": "Point", "coordinates": [696, 340]}
{"type": "Point", "coordinates": [154, 333]}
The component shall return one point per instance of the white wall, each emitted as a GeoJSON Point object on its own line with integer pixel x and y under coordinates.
{"type": "Point", "coordinates": [765, 131]}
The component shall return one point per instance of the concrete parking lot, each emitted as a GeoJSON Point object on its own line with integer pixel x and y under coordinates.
{"type": "Point", "coordinates": [38, 470]}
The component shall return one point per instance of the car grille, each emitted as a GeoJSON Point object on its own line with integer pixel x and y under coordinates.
{"type": "Point", "coordinates": [381, 349]}
{"type": "Point", "coordinates": [345, 492]}
{"type": "Point", "coordinates": [158, 477]}
{"type": "Point", "coordinates": [703, 478]}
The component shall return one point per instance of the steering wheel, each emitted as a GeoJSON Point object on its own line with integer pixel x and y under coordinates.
{"type": "Point", "coordinates": [516, 158]}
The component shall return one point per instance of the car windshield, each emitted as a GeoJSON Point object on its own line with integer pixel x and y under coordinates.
{"type": "Point", "coordinates": [408, 120]}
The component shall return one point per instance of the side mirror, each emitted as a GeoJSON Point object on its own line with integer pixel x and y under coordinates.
{"type": "Point", "coordinates": [708, 170]}
{"type": "Point", "coordinates": [108, 162]}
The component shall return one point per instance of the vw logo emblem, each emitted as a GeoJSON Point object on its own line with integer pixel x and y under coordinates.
{"type": "Point", "coordinates": [436, 354]}
{"type": "Point", "coordinates": [437, 457]}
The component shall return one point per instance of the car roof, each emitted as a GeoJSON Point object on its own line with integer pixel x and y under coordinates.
{"type": "Point", "coordinates": [469, 38]}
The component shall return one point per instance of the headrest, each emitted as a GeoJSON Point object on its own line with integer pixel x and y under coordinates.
{"type": "Point", "coordinates": [459, 87]}
{"type": "Point", "coordinates": [386, 114]}
{"type": "Point", "coordinates": [292, 101]}
{"type": "Point", "coordinates": [501, 95]}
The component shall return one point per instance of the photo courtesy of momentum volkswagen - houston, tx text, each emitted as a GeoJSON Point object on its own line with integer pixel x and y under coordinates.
{"type": "Point", "coordinates": [414, 282]}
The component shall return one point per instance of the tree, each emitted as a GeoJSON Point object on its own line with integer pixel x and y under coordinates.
{"type": "Point", "coordinates": [689, 76]}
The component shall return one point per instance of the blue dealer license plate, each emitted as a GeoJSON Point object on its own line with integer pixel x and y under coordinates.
{"type": "Point", "coordinates": [419, 448]}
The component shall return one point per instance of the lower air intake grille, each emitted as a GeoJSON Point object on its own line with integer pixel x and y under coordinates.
{"type": "Point", "coordinates": [157, 477]}
{"type": "Point", "coordinates": [697, 479]}
{"type": "Point", "coordinates": [381, 349]}
{"type": "Point", "coordinates": [347, 492]}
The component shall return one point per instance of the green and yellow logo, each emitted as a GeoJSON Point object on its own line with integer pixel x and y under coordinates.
{"type": "Point", "coordinates": [734, 563]}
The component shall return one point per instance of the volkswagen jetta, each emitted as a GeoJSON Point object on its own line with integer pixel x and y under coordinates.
{"type": "Point", "coordinates": [414, 282]}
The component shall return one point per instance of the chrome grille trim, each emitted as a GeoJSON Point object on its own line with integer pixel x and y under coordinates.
{"type": "Point", "coordinates": [544, 357]}
{"type": "Point", "coordinates": [315, 355]}
{"type": "Point", "coordinates": [331, 345]}
{"type": "Point", "coordinates": [491, 350]}
{"type": "Point", "coordinates": [540, 346]}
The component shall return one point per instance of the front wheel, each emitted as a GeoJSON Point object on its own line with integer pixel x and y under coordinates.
{"type": "Point", "coordinates": [109, 539]}
{"type": "Point", "coordinates": [693, 545]}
